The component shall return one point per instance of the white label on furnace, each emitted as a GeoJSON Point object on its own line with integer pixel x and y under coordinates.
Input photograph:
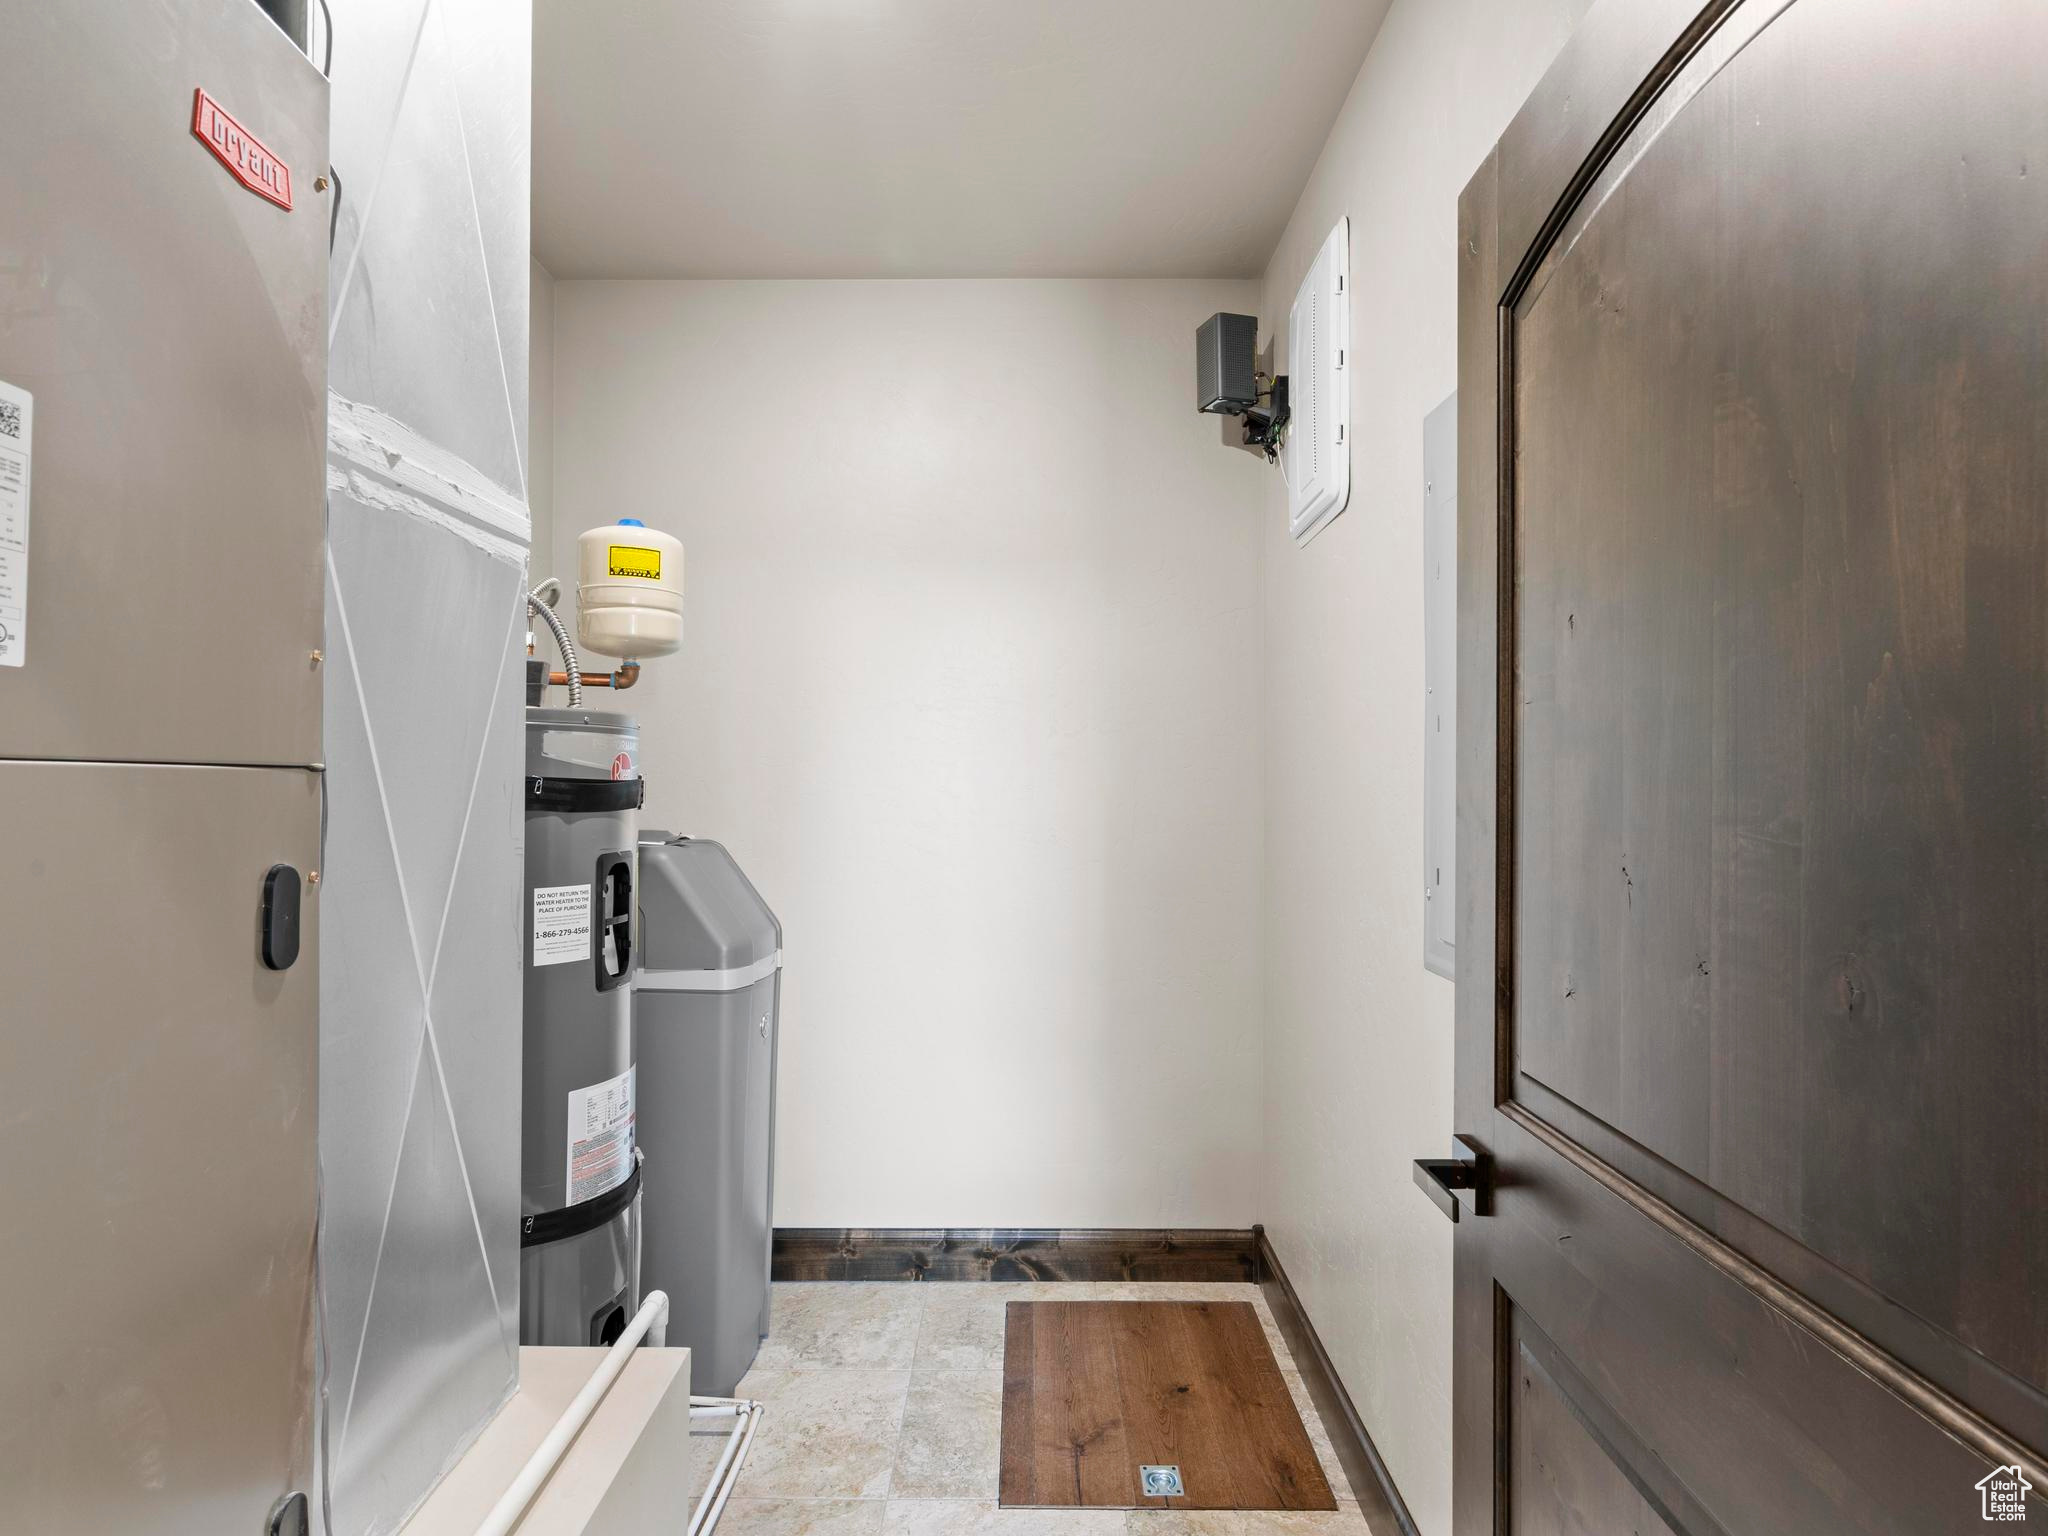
{"type": "Point", "coordinates": [17, 418]}
{"type": "Point", "coordinates": [600, 1137]}
{"type": "Point", "coordinates": [561, 924]}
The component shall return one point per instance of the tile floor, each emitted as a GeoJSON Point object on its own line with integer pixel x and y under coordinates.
{"type": "Point", "coordinates": [885, 1410]}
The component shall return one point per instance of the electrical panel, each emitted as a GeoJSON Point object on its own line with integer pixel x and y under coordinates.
{"type": "Point", "coordinates": [1319, 347]}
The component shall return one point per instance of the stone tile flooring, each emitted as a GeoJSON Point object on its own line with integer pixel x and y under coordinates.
{"type": "Point", "coordinates": [884, 1418]}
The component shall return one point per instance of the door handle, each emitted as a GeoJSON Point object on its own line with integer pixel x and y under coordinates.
{"type": "Point", "coordinates": [1467, 1168]}
{"type": "Point", "coordinates": [280, 925]}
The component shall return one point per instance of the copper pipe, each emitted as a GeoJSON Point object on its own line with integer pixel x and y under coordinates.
{"type": "Point", "coordinates": [625, 677]}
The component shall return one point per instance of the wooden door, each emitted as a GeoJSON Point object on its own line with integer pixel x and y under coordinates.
{"type": "Point", "coordinates": [1753, 789]}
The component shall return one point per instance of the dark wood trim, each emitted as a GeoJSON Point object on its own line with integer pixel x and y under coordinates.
{"type": "Point", "coordinates": [1915, 1347]}
{"type": "Point", "coordinates": [1608, 73]}
{"type": "Point", "coordinates": [1014, 1253]}
{"type": "Point", "coordinates": [1479, 1385]}
{"type": "Point", "coordinates": [1371, 1483]}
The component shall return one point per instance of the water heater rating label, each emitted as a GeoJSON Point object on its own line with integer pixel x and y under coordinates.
{"type": "Point", "coordinates": [561, 924]}
{"type": "Point", "coordinates": [600, 1137]}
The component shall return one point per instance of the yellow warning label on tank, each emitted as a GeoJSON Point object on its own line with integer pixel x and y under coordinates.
{"type": "Point", "coordinates": [630, 560]}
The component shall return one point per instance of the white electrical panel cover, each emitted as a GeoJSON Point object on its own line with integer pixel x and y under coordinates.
{"type": "Point", "coordinates": [1319, 390]}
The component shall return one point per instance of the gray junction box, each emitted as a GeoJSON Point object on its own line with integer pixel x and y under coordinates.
{"type": "Point", "coordinates": [705, 1005]}
{"type": "Point", "coordinates": [1226, 364]}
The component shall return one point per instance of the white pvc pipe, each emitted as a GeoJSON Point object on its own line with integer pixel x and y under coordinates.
{"type": "Point", "coordinates": [709, 1508]}
{"type": "Point", "coordinates": [505, 1514]}
{"type": "Point", "coordinates": [732, 1445]}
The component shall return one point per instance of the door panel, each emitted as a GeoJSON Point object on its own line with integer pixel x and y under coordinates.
{"type": "Point", "coordinates": [1753, 856]}
{"type": "Point", "coordinates": [1756, 1409]}
{"type": "Point", "coordinates": [172, 327]}
{"type": "Point", "coordinates": [1783, 647]}
{"type": "Point", "coordinates": [157, 1121]}
{"type": "Point", "coordinates": [1570, 1475]}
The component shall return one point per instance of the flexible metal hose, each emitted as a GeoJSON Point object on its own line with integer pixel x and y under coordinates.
{"type": "Point", "coordinates": [570, 664]}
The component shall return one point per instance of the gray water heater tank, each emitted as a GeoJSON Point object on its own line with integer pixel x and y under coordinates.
{"type": "Point", "coordinates": [579, 1259]}
{"type": "Point", "coordinates": [704, 1033]}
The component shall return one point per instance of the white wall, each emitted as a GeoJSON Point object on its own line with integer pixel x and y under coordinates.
{"type": "Point", "coordinates": [971, 690]}
{"type": "Point", "coordinates": [1358, 1035]}
{"type": "Point", "coordinates": [540, 397]}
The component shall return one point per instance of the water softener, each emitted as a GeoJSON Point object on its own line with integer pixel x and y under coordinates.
{"type": "Point", "coordinates": [580, 1186]}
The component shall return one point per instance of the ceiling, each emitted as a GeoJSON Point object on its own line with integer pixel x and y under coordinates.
{"type": "Point", "coordinates": [930, 138]}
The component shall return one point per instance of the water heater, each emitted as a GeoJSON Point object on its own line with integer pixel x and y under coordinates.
{"type": "Point", "coordinates": [579, 1235]}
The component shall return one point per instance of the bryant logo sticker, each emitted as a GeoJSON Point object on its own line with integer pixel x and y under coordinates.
{"type": "Point", "coordinates": [254, 166]}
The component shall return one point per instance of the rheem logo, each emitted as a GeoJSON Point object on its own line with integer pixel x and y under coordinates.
{"type": "Point", "coordinates": [254, 166]}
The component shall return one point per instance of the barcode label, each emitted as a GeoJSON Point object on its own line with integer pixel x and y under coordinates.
{"type": "Point", "coordinates": [17, 436]}
{"type": "Point", "coordinates": [601, 1122]}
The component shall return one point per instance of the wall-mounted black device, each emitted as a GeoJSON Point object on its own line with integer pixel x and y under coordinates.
{"type": "Point", "coordinates": [1227, 364]}
{"type": "Point", "coordinates": [1228, 381]}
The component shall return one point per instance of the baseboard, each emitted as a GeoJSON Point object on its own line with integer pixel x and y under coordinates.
{"type": "Point", "coordinates": [1371, 1484]}
{"type": "Point", "coordinates": [989, 1253]}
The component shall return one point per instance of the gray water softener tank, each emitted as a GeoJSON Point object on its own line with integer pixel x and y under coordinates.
{"type": "Point", "coordinates": [704, 1033]}
{"type": "Point", "coordinates": [579, 1235]}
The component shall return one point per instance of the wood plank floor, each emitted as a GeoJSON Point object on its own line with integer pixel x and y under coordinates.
{"type": "Point", "coordinates": [1094, 1390]}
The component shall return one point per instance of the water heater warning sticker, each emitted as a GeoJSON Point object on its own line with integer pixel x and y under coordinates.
{"type": "Point", "coordinates": [561, 924]}
{"type": "Point", "coordinates": [631, 560]}
{"type": "Point", "coordinates": [600, 1137]}
{"type": "Point", "coordinates": [17, 421]}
